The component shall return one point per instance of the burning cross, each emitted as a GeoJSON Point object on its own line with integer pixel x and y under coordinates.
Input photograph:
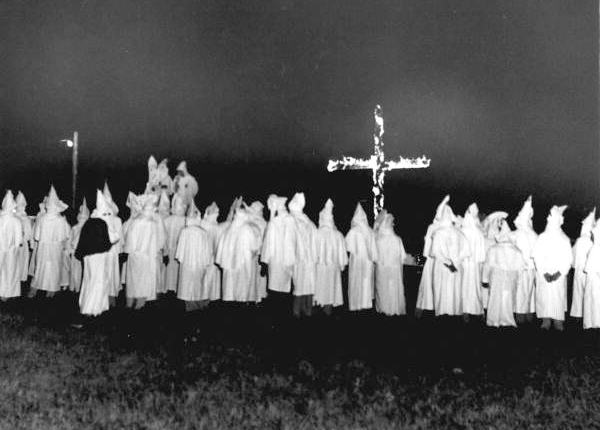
{"type": "Point", "coordinates": [377, 163]}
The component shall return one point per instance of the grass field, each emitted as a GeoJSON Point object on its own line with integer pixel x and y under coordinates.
{"type": "Point", "coordinates": [232, 367]}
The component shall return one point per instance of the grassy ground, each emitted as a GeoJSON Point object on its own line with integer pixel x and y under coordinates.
{"type": "Point", "coordinates": [237, 367]}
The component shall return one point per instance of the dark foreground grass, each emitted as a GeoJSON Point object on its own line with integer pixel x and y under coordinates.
{"type": "Point", "coordinates": [236, 367]}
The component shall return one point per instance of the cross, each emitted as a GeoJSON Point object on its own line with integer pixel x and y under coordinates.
{"type": "Point", "coordinates": [377, 163]}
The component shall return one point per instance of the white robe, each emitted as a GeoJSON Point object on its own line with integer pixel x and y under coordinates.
{"type": "Point", "coordinates": [425, 299]}
{"type": "Point", "coordinates": [448, 245]}
{"type": "Point", "coordinates": [389, 285]}
{"type": "Point", "coordinates": [278, 251]}
{"type": "Point", "coordinates": [51, 234]}
{"type": "Point", "coordinates": [361, 245]}
{"type": "Point", "coordinates": [97, 275]}
{"type": "Point", "coordinates": [115, 235]}
{"type": "Point", "coordinates": [552, 253]}
{"type": "Point", "coordinates": [580, 252]}
{"type": "Point", "coordinates": [591, 298]}
{"type": "Point", "coordinates": [143, 244]}
{"type": "Point", "coordinates": [194, 254]}
{"type": "Point", "coordinates": [212, 276]}
{"type": "Point", "coordinates": [24, 253]}
{"type": "Point", "coordinates": [11, 238]}
{"type": "Point", "coordinates": [235, 255]}
{"type": "Point", "coordinates": [472, 298]}
{"type": "Point", "coordinates": [332, 257]}
{"type": "Point", "coordinates": [501, 270]}
{"type": "Point", "coordinates": [173, 226]}
{"type": "Point", "coordinates": [525, 239]}
{"type": "Point", "coordinates": [304, 273]}
{"type": "Point", "coordinates": [76, 275]}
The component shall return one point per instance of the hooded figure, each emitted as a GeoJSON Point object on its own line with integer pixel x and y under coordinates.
{"type": "Point", "coordinates": [449, 248]}
{"type": "Point", "coordinates": [332, 258]}
{"type": "Point", "coordinates": [473, 299]}
{"type": "Point", "coordinates": [174, 223]}
{"type": "Point", "coordinates": [212, 277]}
{"type": "Point", "coordinates": [524, 237]}
{"type": "Point", "coordinates": [553, 257]}
{"type": "Point", "coordinates": [76, 267]}
{"type": "Point", "coordinates": [185, 184]}
{"type": "Point", "coordinates": [425, 300]}
{"type": "Point", "coordinates": [94, 249]}
{"type": "Point", "coordinates": [279, 245]}
{"type": "Point", "coordinates": [52, 235]}
{"type": "Point", "coordinates": [236, 251]}
{"type": "Point", "coordinates": [582, 247]}
{"type": "Point", "coordinates": [195, 254]}
{"type": "Point", "coordinates": [389, 284]}
{"type": "Point", "coordinates": [134, 211]}
{"type": "Point", "coordinates": [259, 225]}
{"type": "Point", "coordinates": [158, 178]}
{"type": "Point", "coordinates": [107, 210]}
{"type": "Point", "coordinates": [27, 226]}
{"type": "Point", "coordinates": [503, 266]}
{"type": "Point", "coordinates": [32, 260]}
{"type": "Point", "coordinates": [591, 298]}
{"type": "Point", "coordinates": [303, 276]}
{"type": "Point", "coordinates": [362, 247]}
{"type": "Point", "coordinates": [11, 239]}
{"type": "Point", "coordinates": [144, 245]}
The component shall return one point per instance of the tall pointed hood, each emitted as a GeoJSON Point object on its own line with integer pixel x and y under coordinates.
{"type": "Point", "coordinates": [237, 203]}
{"type": "Point", "coordinates": [440, 209]}
{"type": "Point", "coordinates": [21, 204]}
{"type": "Point", "coordinates": [84, 211]}
{"type": "Point", "coordinates": [360, 217]}
{"type": "Point", "coordinates": [182, 167]}
{"type": "Point", "coordinates": [587, 224]}
{"type": "Point", "coordinates": [297, 204]}
{"type": "Point", "coordinates": [326, 215]}
{"type": "Point", "coordinates": [471, 217]}
{"type": "Point", "coordinates": [211, 213]}
{"type": "Point", "coordinates": [53, 203]}
{"type": "Point", "coordinates": [102, 206]}
{"type": "Point", "coordinates": [133, 204]}
{"type": "Point", "coordinates": [109, 199]}
{"type": "Point", "coordinates": [8, 203]}
{"type": "Point", "coordinates": [524, 218]}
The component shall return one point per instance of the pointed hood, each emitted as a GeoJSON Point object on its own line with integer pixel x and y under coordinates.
{"type": "Point", "coordinates": [386, 225]}
{"type": "Point", "coordinates": [178, 206]}
{"type": "Point", "coordinates": [587, 224]}
{"type": "Point", "coordinates": [53, 203]}
{"type": "Point", "coordinates": [447, 216]}
{"type": "Point", "coordinates": [297, 204]}
{"type": "Point", "coordinates": [193, 216]}
{"type": "Point", "coordinates": [440, 209]}
{"type": "Point", "coordinates": [555, 218]}
{"type": "Point", "coordinates": [164, 205]}
{"type": "Point", "coordinates": [21, 204]}
{"type": "Point", "coordinates": [182, 167]}
{"type": "Point", "coordinates": [524, 218]}
{"type": "Point", "coordinates": [379, 219]}
{"type": "Point", "coordinates": [471, 218]}
{"type": "Point", "coordinates": [84, 212]}
{"type": "Point", "coordinates": [360, 217]}
{"type": "Point", "coordinates": [9, 205]}
{"type": "Point", "coordinates": [326, 215]}
{"type": "Point", "coordinates": [152, 164]}
{"type": "Point", "coordinates": [109, 199]}
{"type": "Point", "coordinates": [237, 203]}
{"type": "Point", "coordinates": [211, 213]}
{"type": "Point", "coordinates": [504, 233]}
{"type": "Point", "coordinates": [102, 206]}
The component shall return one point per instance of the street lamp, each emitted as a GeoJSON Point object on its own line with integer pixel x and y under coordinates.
{"type": "Point", "coordinates": [74, 144]}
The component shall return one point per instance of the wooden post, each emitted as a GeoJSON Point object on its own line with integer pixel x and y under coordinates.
{"type": "Point", "coordinates": [75, 161]}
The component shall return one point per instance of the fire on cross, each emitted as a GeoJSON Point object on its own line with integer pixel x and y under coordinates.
{"type": "Point", "coordinates": [377, 163]}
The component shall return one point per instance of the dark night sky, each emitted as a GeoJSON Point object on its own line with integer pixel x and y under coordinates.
{"type": "Point", "coordinates": [502, 95]}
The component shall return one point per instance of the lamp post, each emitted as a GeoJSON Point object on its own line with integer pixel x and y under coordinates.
{"type": "Point", "coordinates": [74, 144]}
